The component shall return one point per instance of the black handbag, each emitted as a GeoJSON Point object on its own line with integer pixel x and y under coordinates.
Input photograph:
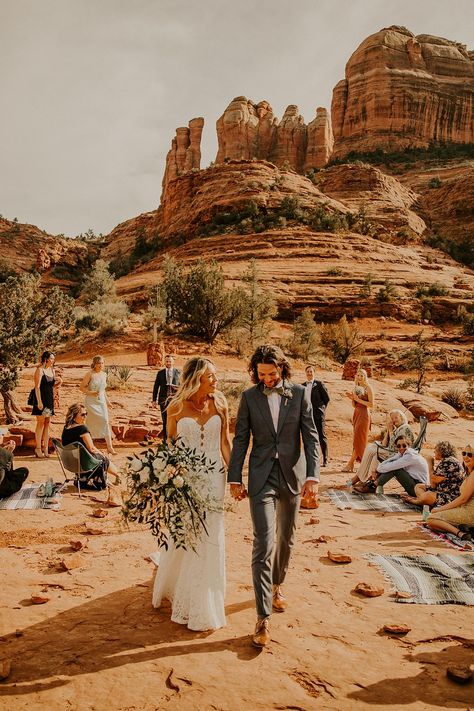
{"type": "Point", "coordinates": [32, 398]}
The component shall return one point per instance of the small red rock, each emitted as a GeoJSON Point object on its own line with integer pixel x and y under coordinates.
{"type": "Point", "coordinates": [339, 557]}
{"type": "Point", "coordinates": [39, 600]}
{"type": "Point", "coordinates": [72, 561]}
{"type": "Point", "coordinates": [368, 590]}
{"type": "Point", "coordinates": [76, 545]}
{"type": "Point", "coordinates": [100, 513]}
{"type": "Point", "coordinates": [5, 668]}
{"type": "Point", "coordinates": [459, 674]}
{"type": "Point", "coordinates": [399, 630]}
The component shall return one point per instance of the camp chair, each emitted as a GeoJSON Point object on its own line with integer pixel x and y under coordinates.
{"type": "Point", "coordinates": [76, 459]}
{"type": "Point", "coordinates": [384, 452]}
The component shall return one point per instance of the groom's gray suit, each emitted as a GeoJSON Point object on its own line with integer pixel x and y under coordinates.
{"type": "Point", "coordinates": [275, 481]}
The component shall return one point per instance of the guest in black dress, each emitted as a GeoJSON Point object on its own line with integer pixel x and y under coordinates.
{"type": "Point", "coordinates": [43, 406]}
{"type": "Point", "coordinates": [76, 431]}
{"type": "Point", "coordinates": [11, 480]}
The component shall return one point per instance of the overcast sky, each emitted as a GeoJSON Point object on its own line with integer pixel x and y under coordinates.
{"type": "Point", "coordinates": [92, 90]}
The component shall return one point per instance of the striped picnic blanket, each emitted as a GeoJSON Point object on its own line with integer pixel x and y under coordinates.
{"type": "Point", "coordinates": [26, 498]}
{"type": "Point", "coordinates": [449, 538]}
{"type": "Point", "coordinates": [442, 579]}
{"type": "Point", "coordinates": [369, 502]}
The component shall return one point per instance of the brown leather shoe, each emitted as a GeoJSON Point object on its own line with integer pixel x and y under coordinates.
{"type": "Point", "coordinates": [262, 633]}
{"type": "Point", "coordinates": [279, 602]}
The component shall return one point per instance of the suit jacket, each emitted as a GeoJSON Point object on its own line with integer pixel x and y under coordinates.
{"type": "Point", "coordinates": [295, 421]}
{"type": "Point", "coordinates": [319, 398]}
{"type": "Point", "coordinates": [160, 388]}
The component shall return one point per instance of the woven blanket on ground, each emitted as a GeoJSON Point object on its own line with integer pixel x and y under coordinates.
{"type": "Point", "coordinates": [442, 579]}
{"type": "Point", "coordinates": [26, 498]}
{"type": "Point", "coordinates": [369, 502]}
{"type": "Point", "coordinates": [449, 538]}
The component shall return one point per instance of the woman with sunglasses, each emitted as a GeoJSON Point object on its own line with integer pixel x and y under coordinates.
{"type": "Point", "coordinates": [407, 466]}
{"type": "Point", "coordinates": [457, 516]}
{"type": "Point", "coordinates": [74, 431]}
{"type": "Point", "coordinates": [445, 479]}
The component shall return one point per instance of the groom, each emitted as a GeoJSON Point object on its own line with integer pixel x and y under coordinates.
{"type": "Point", "coordinates": [277, 413]}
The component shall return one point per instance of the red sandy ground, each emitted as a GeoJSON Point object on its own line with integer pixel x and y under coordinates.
{"type": "Point", "coordinates": [97, 643]}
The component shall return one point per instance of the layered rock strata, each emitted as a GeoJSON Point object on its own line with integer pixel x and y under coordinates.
{"type": "Point", "coordinates": [404, 91]}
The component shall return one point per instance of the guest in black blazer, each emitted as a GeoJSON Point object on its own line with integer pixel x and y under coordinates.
{"type": "Point", "coordinates": [166, 384]}
{"type": "Point", "coordinates": [319, 399]}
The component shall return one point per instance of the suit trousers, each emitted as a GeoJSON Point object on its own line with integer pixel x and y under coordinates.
{"type": "Point", "coordinates": [164, 419]}
{"type": "Point", "coordinates": [274, 512]}
{"type": "Point", "coordinates": [320, 425]}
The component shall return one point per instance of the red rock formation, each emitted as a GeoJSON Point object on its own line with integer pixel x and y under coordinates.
{"type": "Point", "coordinates": [402, 91]}
{"type": "Point", "coordinates": [320, 141]}
{"type": "Point", "coordinates": [185, 151]}
{"type": "Point", "coordinates": [290, 140]}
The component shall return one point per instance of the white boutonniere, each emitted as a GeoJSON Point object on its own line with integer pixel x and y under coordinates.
{"type": "Point", "coordinates": [287, 394]}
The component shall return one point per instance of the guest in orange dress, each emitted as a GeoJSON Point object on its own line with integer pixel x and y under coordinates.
{"type": "Point", "coordinates": [362, 397]}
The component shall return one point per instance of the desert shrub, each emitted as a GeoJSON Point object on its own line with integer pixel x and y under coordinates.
{"type": "Point", "coordinates": [468, 325]}
{"type": "Point", "coordinates": [334, 271]}
{"type": "Point", "coordinates": [237, 338]}
{"type": "Point", "coordinates": [154, 318]}
{"type": "Point", "coordinates": [469, 396]}
{"type": "Point", "coordinates": [258, 306]}
{"type": "Point", "coordinates": [454, 397]}
{"type": "Point", "coordinates": [435, 289]}
{"type": "Point", "coordinates": [233, 389]}
{"type": "Point", "coordinates": [407, 384]}
{"type": "Point", "coordinates": [418, 358]}
{"type": "Point", "coordinates": [341, 340]}
{"type": "Point", "coordinates": [6, 271]}
{"type": "Point", "coordinates": [387, 293]}
{"type": "Point", "coordinates": [305, 340]}
{"type": "Point", "coordinates": [461, 250]}
{"type": "Point", "coordinates": [435, 182]}
{"type": "Point", "coordinates": [118, 376]}
{"type": "Point", "coordinates": [99, 283]}
{"type": "Point", "coordinates": [433, 153]}
{"type": "Point", "coordinates": [365, 291]}
{"type": "Point", "coordinates": [109, 318]}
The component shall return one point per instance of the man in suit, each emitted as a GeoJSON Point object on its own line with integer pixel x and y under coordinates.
{"type": "Point", "coordinates": [277, 413]}
{"type": "Point", "coordinates": [166, 384]}
{"type": "Point", "coordinates": [319, 397]}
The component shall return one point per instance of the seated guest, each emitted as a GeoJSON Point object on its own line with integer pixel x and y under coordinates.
{"type": "Point", "coordinates": [397, 425]}
{"type": "Point", "coordinates": [457, 516]}
{"type": "Point", "coordinates": [11, 480]}
{"type": "Point", "coordinates": [445, 479]}
{"type": "Point", "coordinates": [76, 431]}
{"type": "Point", "coordinates": [408, 467]}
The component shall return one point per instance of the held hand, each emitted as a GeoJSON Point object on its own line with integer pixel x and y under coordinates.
{"type": "Point", "coordinates": [40, 406]}
{"type": "Point", "coordinates": [10, 445]}
{"type": "Point", "coordinates": [310, 490]}
{"type": "Point", "coordinates": [238, 492]}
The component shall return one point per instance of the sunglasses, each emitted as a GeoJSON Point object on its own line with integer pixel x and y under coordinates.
{"type": "Point", "coordinates": [467, 454]}
{"type": "Point", "coordinates": [83, 414]}
{"type": "Point", "coordinates": [401, 446]}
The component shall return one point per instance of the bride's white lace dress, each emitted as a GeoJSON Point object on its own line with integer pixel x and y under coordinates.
{"type": "Point", "coordinates": [194, 581]}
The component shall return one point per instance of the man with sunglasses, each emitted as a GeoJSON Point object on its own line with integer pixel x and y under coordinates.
{"type": "Point", "coordinates": [407, 466]}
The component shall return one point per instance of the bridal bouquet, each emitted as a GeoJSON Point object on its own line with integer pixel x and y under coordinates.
{"type": "Point", "coordinates": [165, 488]}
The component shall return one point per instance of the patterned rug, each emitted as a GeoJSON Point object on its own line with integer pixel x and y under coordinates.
{"type": "Point", "coordinates": [344, 499]}
{"type": "Point", "coordinates": [442, 579]}
{"type": "Point", "coordinates": [449, 538]}
{"type": "Point", "coordinates": [26, 498]}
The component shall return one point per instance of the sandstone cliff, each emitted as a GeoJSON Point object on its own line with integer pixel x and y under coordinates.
{"type": "Point", "coordinates": [403, 91]}
{"type": "Point", "coordinates": [185, 152]}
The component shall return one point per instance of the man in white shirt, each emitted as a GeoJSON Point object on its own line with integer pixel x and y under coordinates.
{"type": "Point", "coordinates": [408, 467]}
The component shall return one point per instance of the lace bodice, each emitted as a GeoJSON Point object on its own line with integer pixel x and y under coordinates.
{"type": "Point", "coordinates": [204, 438]}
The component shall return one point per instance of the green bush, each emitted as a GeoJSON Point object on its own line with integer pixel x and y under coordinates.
{"type": "Point", "coordinates": [454, 397]}
{"type": "Point", "coordinates": [468, 325]}
{"type": "Point", "coordinates": [435, 183]}
{"type": "Point", "coordinates": [387, 293]}
{"type": "Point", "coordinates": [435, 289]}
{"type": "Point", "coordinates": [461, 250]}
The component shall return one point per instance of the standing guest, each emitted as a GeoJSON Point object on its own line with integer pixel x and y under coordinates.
{"type": "Point", "coordinates": [445, 479]}
{"type": "Point", "coordinates": [94, 386]}
{"type": "Point", "coordinates": [43, 407]}
{"type": "Point", "coordinates": [276, 414]}
{"type": "Point", "coordinates": [75, 430]}
{"type": "Point", "coordinates": [457, 516]}
{"type": "Point", "coordinates": [408, 467]}
{"type": "Point", "coordinates": [11, 480]}
{"type": "Point", "coordinates": [362, 397]}
{"type": "Point", "coordinates": [319, 397]}
{"type": "Point", "coordinates": [166, 385]}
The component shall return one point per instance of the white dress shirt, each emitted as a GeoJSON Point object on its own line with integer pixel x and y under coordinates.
{"type": "Point", "coordinates": [169, 376]}
{"type": "Point", "coordinates": [413, 463]}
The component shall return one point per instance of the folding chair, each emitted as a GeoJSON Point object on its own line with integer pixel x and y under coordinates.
{"type": "Point", "coordinates": [76, 459]}
{"type": "Point", "coordinates": [383, 452]}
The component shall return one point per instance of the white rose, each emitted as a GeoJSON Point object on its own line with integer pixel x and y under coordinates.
{"type": "Point", "coordinates": [178, 481]}
{"type": "Point", "coordinates": [136, 465]}
{"type": "Point", "coordinates": [158, 466]}
{"type": "Point", "coordinates": [143, 476]}
{"type": "Point", "coordinates": [163, 478]}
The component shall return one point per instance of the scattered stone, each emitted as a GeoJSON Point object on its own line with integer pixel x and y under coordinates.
{"type": "Point", "coordinates": [72, 561]}
{"type": "Point", "coordinates": [5, 668]}
{"type": "Point", "coordinates": [339, 557]}
{"type": "Point", "coordinates": [170, 683]}
{"type": "Point", "coordinates": [76, 545]}
{"type": "Point", "coordinates": [100, 513]}
{"type": "Point", "coordinates": [399, 630]}
{"type": "Point", "coordinates": [402, 595]}
{"type": "Point", "coordinates": [323, 539]}
{"type": "Point", "coordinates": [312, 521]}
{"type": "Point", "coordinates": [368, 590]}
{"type": "Point", "coordinates": [39, 600]}
{"type": "Point", "coordinates": [459, 674]}
{"type": "Point", "coordinates": [93, 531]}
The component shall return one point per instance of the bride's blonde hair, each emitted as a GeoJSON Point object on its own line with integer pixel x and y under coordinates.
{"type": "Point", "coordinates": [193, 370]}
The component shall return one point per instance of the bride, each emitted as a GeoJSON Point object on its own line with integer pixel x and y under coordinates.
{"type": "Point", "coordinates": [194, 581]}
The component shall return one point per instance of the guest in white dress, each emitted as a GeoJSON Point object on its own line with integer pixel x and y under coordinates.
{"type": "Point", "coordinates": [94, 386]}
{"type": "Point", "coordinates": [194, 580]}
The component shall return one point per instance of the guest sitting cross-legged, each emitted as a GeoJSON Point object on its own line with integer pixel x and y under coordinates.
{"type": "Point", "coordinates": [397, 425]}
{"type": "Point", "coordinates": [457, 516]}
{"type": "Point", "coordinates": [76, 431]}
{"type": "Point", "coordinates": [408, 467]}
{"type": "Point", "coordinates": [445, 479]}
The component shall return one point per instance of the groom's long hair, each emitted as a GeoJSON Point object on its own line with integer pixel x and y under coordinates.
{"type": "Point", "coordinates": [269, 355]}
